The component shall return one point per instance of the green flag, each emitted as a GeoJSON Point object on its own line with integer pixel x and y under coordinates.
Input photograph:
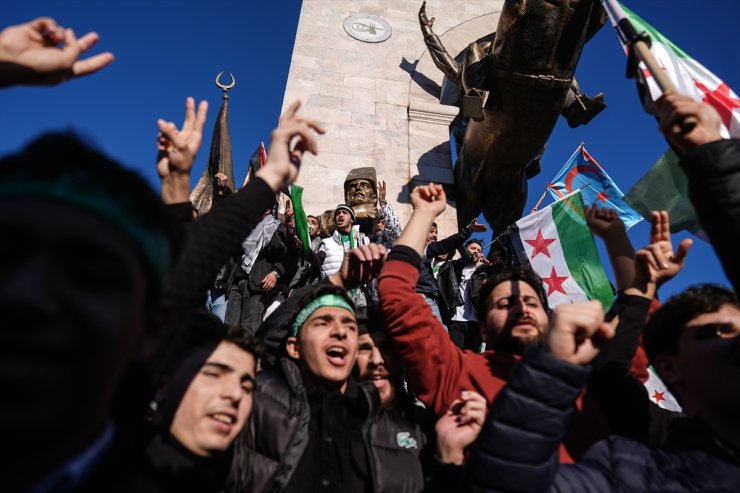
{"type": "Point", "coordinates": [665, 186]}
{"type": "Point", "coordinates": [301, 222]}
{"type": "Point", "coordinates": [557, 244]}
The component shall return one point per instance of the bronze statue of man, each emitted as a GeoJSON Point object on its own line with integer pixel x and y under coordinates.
{"type": "Point", "coordinates": [360, 192]}
{"type": "Point", "coordinates": [512, 91]}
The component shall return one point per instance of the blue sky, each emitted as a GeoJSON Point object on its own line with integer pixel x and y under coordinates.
{"type": "Point", "coordinates": [167, 50]}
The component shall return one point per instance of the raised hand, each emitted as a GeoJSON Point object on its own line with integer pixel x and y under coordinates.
{"type": "Point", "coordinates": [381, 192]}
{"type": "Point", "coordinates": [476, 227]}
{"type": "Point", "coordinates": [657, 263]}
{"type": "Point", "coordinates": [674, 108]}
{"type": "Point", "coordinates": [459, 427]}
{"type": "Point", "coordinates": [430, 199]}
{"type": "Point", "coordinates": [423, 19]}
{"type": "Point", "coordinates": [573, 329]}
{"type": "Point", "coordinates": [360, 266]}
{"type": "Point", "coordinates": [177, 148]}
{"type": "Point", "coordinates": [41, 52]}
{"type": "Point", "coordinates": [176, 151]}
{"type": "Point", "coordinates": [604, 222]}
{"type": "Point", "coordinates": [294, 136]}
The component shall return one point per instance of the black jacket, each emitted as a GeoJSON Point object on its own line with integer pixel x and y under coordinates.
{"type": "Point", "coordinates": [272, 258]}
{"type": "Point", "coordinates": [448, 280]}
{"type": "Point", "coordinates": [426, 284]}
{"type": "Point", "coordinates": [714, 187]}
{"type": "Point", "coordinates": [210, 242]}
{"type": "Point", "coordinates": [269, 450]}
{"type": "Point", "coordinates": [517, 449]}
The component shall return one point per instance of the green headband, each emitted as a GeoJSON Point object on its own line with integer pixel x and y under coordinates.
{"type": "Point", "coordinates": [325, 300]}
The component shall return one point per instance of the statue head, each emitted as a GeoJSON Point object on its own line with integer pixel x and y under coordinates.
{"type": "Point", "coordinates": [360, 187]}
{"type": "Point", "coordinates": [360, 192]}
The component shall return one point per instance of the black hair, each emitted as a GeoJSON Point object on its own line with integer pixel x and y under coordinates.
{"type": "Point", "coordinates": [370, 319]}
{"type": "Point", "coordinates": [246, 342]}
{"type": "Point", "coordinates": [665, 326]}
{"type": "Point", "coordinates": [474, 240]}
{"type": "Point", "coordinates": [524, 274]}
{"type": "Point", "coordinates": [434, 225]}
{"type": "Point", "coordinates": [185, 352]}
{"type": "Point", "coordinates": [320, 290]}
{"type": "Point", "coordinates": [276, 328]}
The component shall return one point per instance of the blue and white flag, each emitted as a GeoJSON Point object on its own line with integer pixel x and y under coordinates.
{"type": "Point", "coordinates": [597, 189]}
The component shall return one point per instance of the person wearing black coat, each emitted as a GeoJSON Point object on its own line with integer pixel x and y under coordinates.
{"type": "Point", "coordinates": [202, 405]}
{"type": "Point", "coordinates": [256, 275]}
{"type": "Point", "coordinates": [534, 408]}
{"type": "Point", "coordinates": [712, 165]}
{"type": "Point", "coordinates": [311, 433]}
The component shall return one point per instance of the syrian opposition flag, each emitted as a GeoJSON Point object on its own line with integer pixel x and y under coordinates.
{"type": "Point", "coordinates": [582, 172]}
{"type": "Point", "coordinates": [558, 245]}
{"type": "Point", "coordinates": [665, 186]}
{"type": "Point", "coordinates": [659, 393]}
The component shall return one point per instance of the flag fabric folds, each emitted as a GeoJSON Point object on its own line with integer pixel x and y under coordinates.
{"type": "Point", "coordinates": [557, 244]}
{"type": "Point", "coordinates": [301, 221]}
{"type": "Point", "coordinates": [219, 161]}
{"type": "Point", "coordinates": [256, 161]}
{"type": "Point", "coordinates": [659, 393]}
{"type": "Point", "coordinates": [689, 76]}
{"type": "Point", "coordinates": [582, 172]}
{"type": "Point", "coordinates": [665, 185]}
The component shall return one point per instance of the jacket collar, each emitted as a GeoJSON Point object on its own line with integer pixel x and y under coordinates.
{"type": "Point", "coordinates": [355, 231]}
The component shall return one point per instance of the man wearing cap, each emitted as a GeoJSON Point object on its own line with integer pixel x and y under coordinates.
{"type": "Point", "coordinates": [346, 237]}
{"type": "Point", "coordinates": [88, 244]}
{"type": "Point", "coordinates": [89, 248]}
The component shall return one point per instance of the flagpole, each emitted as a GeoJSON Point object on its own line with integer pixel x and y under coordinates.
{"type": "Point", "coordinates": [539, 201]}
{"type": "Point", "coordinates": [565, 167]}
{"type": "Point", "coordinates": [640, 48]}
{"type": "Point", "coordinates": [559, 200]}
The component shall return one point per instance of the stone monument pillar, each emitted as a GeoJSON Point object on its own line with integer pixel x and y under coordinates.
{"type": "Point", "coordinates": [361, 68]}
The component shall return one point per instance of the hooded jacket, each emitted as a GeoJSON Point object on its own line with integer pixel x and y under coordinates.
{"type": "Point", "coordinates": [270, 448]}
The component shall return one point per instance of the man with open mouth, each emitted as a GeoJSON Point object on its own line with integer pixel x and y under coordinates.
{"type": "Point", "coordinates": [311, 424]}
{"type": "Point", "coordinates": [305, 433]}
{"type": "Point", "coordinates": [200, 410]}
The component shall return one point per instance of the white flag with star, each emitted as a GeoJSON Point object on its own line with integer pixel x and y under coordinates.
{"type": "Point", "coordinates": [558, 245]}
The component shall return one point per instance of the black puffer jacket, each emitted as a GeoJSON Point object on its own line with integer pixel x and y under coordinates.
{"type": "Point", "coordinates": [517, 450]}
{"type": "Point", "coordinates": [276, 436]}
{"type": "Point", "coordinates": [714, 187]}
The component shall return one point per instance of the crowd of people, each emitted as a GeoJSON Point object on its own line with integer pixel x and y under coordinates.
{"type": "Point", "coordinates": [147, 350]}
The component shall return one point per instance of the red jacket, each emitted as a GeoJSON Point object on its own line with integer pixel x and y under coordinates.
{"type": "Point", "coordinates": [438, 371]}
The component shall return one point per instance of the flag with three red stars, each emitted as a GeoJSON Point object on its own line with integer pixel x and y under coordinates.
{"type": "Point", "coordinates": [665, 186]}
{"type": "Point", "coordinates": [557, 244]}
{"type": "Point", "coordinates": [582, 172]}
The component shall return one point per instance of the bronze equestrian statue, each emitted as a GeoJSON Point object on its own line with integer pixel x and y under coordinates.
{"type": "Point", "coordinates": [512, 90]}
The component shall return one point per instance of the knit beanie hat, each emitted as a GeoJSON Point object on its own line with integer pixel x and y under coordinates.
{"type": "Point", "coordinates": [345, 207]}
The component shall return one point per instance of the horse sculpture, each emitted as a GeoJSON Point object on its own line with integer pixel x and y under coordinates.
{"type": "Point", "coordinates": [512, 90]}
